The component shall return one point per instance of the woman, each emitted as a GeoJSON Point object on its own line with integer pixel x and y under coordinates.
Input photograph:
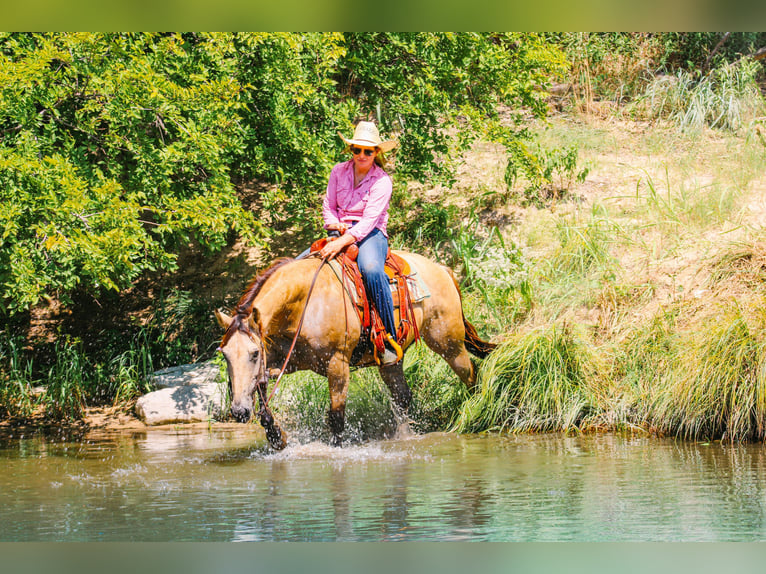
{"type": "Point", "coordinates": [355, 209]}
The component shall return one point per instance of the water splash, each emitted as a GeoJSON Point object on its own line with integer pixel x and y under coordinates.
{"type": "Point", "coordinates": [399, 448]}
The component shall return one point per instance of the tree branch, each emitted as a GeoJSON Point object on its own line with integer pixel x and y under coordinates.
{"type": "Point", "coordinates": [717, 47]}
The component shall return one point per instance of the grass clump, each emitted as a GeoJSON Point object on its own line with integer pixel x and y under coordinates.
{"type": "Point", "coordinates": [726, 98]}
{"type": "Point", "coordinates": [67, 378]}
{"type": "Point", "coordinates": [741, 269]}
{"type": "Point", "coordinates": [717, 386]}
{"type": "Point", "coordinates": [544, 380]}
{"type": "Point", "coordinates": [644, 356]}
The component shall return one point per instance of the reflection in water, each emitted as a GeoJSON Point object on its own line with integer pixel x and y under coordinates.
{"type": "Point", "coordinates": [225, 484]}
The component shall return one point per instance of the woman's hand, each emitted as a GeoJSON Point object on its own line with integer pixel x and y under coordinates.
{"type": "Point", "coordinates": [339, 227]}
{"type": "Point", "coordinates": [335, 246]}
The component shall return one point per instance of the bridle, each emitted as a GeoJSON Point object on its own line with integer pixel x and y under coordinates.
{"type": "Point", "coordinates": [262, 383]}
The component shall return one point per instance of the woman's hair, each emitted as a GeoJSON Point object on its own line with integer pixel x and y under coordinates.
{"type": "Point", "coordinates": [380, 158]}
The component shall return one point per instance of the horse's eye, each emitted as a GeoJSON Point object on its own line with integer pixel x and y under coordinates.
{"type": "Point", "coordinates": [255, 356]}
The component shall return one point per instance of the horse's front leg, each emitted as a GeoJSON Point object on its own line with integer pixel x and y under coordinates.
{"type": "Point", "coordinates": [338, 375]}
{"type": "Point", "coordinates": [274, 432]}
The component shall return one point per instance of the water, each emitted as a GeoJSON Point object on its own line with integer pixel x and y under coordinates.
{"type": "Point", "coordinates": [225, 485]}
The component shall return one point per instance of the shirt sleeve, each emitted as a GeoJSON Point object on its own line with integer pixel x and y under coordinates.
{"type": "Point", "coordinates": [330, 203]}
{"type": "Point", "coordinates": [377, 205]}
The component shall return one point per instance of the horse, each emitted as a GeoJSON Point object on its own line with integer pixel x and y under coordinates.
{"type": "Point", "coordinates": [274, 318]}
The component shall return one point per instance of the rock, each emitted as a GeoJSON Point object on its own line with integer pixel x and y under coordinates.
{"type": "Point", "coordinates": [189, 393]}
{"type": "Point", "coordinates": [186, 375]}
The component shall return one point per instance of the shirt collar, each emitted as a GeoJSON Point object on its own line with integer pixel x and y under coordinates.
{"type": "Point", "coordinates": [374, 170]}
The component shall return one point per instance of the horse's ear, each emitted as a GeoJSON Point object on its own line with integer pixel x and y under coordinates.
{"type": "Point", "coordinates": [223, 319]}
{"type": "Point", "coordinates": [255, 317]}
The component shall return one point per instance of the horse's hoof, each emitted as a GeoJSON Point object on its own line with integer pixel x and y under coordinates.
{"type": "Point", "coordinates": [277, 440]}
{"type": "Point", "coordinates": [278, 445]}
{"type": "Point", "coordinates": [336, 441]}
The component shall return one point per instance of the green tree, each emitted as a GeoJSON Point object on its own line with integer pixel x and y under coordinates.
{"type": "Point", "coordinates": [113, 153]}
{"type": "Point", "coordinates": [436, 92]}
{"type": "Point", "coordinates": [118, 149]}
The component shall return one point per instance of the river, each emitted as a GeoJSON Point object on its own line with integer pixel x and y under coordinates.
{"type": "Point", "coordinates": [224, 484]}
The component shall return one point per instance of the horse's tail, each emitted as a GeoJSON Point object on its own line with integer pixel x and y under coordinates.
{"type": "Point", "coordinates": [475, 344]}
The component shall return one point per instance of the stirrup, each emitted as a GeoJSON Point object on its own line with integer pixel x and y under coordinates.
{"type": "Point", "coordinates": [395, 347]}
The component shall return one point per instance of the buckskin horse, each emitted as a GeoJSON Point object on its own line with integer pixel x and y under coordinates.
{"type": "Point", "coordinates": [273, 322]}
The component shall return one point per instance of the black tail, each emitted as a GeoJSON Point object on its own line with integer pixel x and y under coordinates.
{"type": "Point", "coordinates": [474, 344]}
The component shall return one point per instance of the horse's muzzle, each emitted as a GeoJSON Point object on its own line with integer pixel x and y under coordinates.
{"type": "Point", "coordinates": [241, 414]}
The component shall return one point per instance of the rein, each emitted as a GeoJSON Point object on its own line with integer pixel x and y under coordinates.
{"type": "Point", "coordinates": [264, 376]}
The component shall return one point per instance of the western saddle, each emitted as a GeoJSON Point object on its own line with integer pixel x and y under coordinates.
{"type": "Point", "coordinates": [373, 332]}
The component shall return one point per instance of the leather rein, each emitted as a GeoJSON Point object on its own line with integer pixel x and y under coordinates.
{"type": "Point", "coordinates": [263, 382]}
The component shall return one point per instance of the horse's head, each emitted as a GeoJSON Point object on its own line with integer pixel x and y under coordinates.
{"type": "Point", "coordinates": [244, 352]}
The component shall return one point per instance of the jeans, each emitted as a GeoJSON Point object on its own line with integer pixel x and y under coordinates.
{"type": "Point", "coordinates": [371, 261]}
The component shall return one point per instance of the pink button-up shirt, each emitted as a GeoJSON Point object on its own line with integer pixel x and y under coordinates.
{"type": "Point", "coordinates": [367, 204]}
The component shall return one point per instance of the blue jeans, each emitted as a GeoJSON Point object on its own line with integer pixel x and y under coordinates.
{"type": "Point", "coordinates": [371, 261]}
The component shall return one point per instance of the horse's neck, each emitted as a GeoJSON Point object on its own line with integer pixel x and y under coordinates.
{"type": "Point", "coordinates": [281, 301]}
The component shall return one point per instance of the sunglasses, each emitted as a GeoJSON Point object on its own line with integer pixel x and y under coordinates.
{"type": "Point", "coordinates": [358, 150]}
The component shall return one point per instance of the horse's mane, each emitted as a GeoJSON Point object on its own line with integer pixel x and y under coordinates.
{"type": "Point", "coordinates": [244, 306]}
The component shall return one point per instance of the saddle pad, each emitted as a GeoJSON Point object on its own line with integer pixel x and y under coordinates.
{"type": "Point", "coordinates": [416, 285]}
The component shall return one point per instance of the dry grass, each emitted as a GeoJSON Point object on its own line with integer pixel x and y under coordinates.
{"type": "Point", "coordinates": [660, 258]}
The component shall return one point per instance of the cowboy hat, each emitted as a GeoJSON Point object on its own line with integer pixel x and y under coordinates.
{"type": "Point", "coordinates": [366, 134]}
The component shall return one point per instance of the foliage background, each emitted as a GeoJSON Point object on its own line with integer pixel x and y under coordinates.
{"type": "Point", "coordinates": [143, 176]}
{"type": "Point", "coordinates": [118, 150]}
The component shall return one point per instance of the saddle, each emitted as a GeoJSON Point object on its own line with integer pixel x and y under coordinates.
{"type": "Point", "coordinates": [373, 332]}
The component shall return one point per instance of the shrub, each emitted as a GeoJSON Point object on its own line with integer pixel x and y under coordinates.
{"type": "Point", "coordinates": [547, 173]}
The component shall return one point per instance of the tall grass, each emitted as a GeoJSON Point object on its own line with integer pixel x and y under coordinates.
{"type": "Point", "coordinates": [130, 373]}
{"type": "Point", "coordinates": [717, 387]}
{"type": "Point", "coordinates": [548, 379]}
{"type": "Point", "coordinates": [66, 381]}
{"type": "Point", "coordinates": [577, 269]}
{"type": "Point", "coordinates": [72, 380]}
{"type": "Point", "coordinates": [583, 247]}
{"type": "Point", "coordinates": [16, 379]}
{"type": "Point", "coordinates": [672, 207]}
{"type": "Point", "coordinates": [727, 98]}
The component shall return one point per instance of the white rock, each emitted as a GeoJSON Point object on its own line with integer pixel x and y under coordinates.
{"type": "Point", "coordinates": [186, 375]}
{"type": "Point", "coordinates": [186, 394]}
{"type": "Point", "coordinates": [181, 404]}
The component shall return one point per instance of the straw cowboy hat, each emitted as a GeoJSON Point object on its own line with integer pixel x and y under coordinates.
{"type": "Point", "coordinates": [366, 134]}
